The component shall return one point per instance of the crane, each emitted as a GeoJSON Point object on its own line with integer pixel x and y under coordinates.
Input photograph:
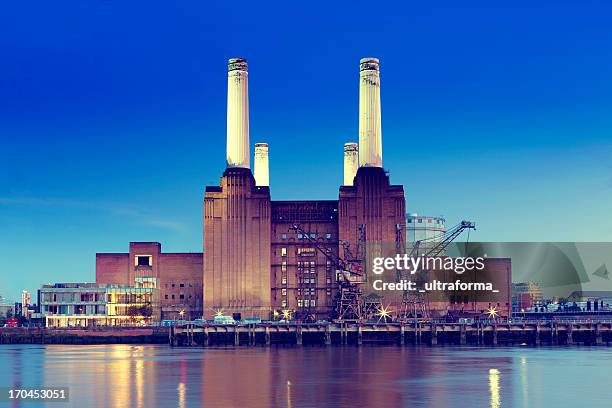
{"type": "Point", "coordinates": [349, 274]}
{"type": "Point", "coordinates": [415, 303]}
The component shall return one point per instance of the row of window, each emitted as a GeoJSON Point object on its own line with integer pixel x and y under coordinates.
{"type": "Point", "coordinates": [306, 236]}
{"type": "Point", "coordinates": [181, 296]}
{"type": "Point", "coordinates": [180, 285]}
{"type": "Point", "coordinates": [306, 291]}
{"type": "Point", "coordinates": [301, 303]}
{"type": "Point", "coordinates": [305, 280]}
{"type": "Point", "coordinates": [429, 221]}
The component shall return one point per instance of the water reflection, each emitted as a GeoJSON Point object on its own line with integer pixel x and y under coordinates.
{"type": "Point", "coordinates": [494, 387]}
{"type": "Point", "coordinates": [524, 382]}
{"type": "Point", "coordinates": [151, 376]}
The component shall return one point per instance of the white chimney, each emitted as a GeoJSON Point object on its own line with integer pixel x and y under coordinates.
{"type": "Point", "coordinates": [370, 134]}
{"type": "Point", "coordinates": [238, 153]}
{"type": "Point", "coordinates": [351, 162]}
{"type": "Point", "coordinates": [262, 171]}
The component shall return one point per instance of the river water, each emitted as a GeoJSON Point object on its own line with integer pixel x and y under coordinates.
{"type": "Point", "coordinates": [390, 376]}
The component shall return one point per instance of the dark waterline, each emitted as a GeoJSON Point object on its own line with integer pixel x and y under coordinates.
{"type": "Point", "coordinates": [160, 376]}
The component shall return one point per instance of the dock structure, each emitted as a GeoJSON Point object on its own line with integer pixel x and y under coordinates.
{"type": "Point", "coordinates": [422, 332]}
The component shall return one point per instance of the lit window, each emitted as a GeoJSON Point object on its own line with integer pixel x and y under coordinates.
{"type": "Point", "coordinates": [284, 303]}
{"type": "Point", "coordinates": [284, 266]}
{"type": "Point", "coordinates": [283, 251]}
{"type": "Point", "coordinates": [306, 251]}
{"type": "Point", "coordinates": [283, 236]}
{"type": "Point", "coordinates": [284, 280]}
{"type": "Point", "coordinates": [312, 303]}
{"type": "Point", "coordinates": [327, 236]}
{"type": "Point", "coordinates": [299, 303]}
{"type": "Point", "coordinates": [284, 292]}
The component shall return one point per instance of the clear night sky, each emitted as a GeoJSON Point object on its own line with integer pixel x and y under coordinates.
{"type": "Point", "coordinates": [112, 117]}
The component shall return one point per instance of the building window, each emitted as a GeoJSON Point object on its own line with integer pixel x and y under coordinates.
{"type": "Point", "coordinates": [284, 292]}
{"type": "Point", "coordinates": [165, 296]}
{"type": "Point", "coordinates": [312, 303]}
{"type": "Point", "coordinates": [284, 303]}
{"type": "Point", "coordinates": [299, 303]}
{"type": "Point", "coordinates": [182, 285]}
{"type": "Point", "coordinates": [283, 236]}
{"type": "Point", "coordinates": [144, 260]}
{"type": "Point", "coordinates": [283, 251]}
{"type": "Point", "coordinates": [284, 266]}
{"type": "Point", "coordinates": [328, 291]}
{"type": "Point", "coordinates": [328, 280]}
{"type": "Point", "coordinates": [409, 220]}
{"type": "Point", "coordinates": [172, 296]}
{"type": "Point", "coordinates": [327, 236]}
{"type": "Point", "coordinates": [306, 251]}
{"type": "Point", "coordinates": [284, 280]}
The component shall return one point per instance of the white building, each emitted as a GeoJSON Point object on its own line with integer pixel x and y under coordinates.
{"type": "Point", "coordinates": [426, 229]}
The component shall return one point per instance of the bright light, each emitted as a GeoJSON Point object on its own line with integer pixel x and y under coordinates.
{"type": "Point", "coordinates": [182, 313]}
{"type": "Point", "coordinates": [275, 314]}
{"type": "Point", "coordinates": [384, 312]}
{"type": "Point", "coordinates": [219, 313]}
{"type": "Point", "coordinates": [286, 314]}
{"type": "Point", "coordinates": [494, 388]}
{"type": "Point", "coordinates": [492, 312]}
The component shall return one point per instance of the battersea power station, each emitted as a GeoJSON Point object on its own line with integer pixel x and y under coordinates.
{"type": "Point", "coordinates": [262, 256]}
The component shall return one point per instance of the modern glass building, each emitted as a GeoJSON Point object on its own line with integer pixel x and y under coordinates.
{"type": "Point", "coordinates": [91, 304]}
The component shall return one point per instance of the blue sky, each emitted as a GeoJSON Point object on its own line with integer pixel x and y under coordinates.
{"type": "Point", "coordinates": [112, 117]}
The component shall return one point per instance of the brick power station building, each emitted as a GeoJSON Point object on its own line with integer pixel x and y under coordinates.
{"type": "Point", "coordinates": [254, 261]}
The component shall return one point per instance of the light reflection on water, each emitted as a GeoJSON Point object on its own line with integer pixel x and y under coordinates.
{"type": "Point", "coordinates": [149, 376]}
{"type": "Point", "coordinates": [494, 388]}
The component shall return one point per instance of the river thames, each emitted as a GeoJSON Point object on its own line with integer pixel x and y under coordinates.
{"type": "Point", "coordinates": [390, 376]}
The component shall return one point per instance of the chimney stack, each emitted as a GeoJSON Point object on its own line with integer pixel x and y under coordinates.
{"type": "Point", "coordinates": [351, 162]}
{"type": "Point", "coordinates": [262, 172]}
{"type": "Point", "coordinates": [370, 134]}
{"type": "Point", "coordinates": [238, 153]}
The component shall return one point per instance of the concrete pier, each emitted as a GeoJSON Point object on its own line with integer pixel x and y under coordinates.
{"type": "Point", "coordinates": [434, 333]}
